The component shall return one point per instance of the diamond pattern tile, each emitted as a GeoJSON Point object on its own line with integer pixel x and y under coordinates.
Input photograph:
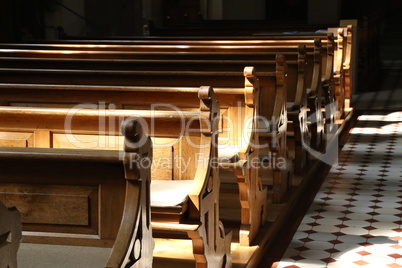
{"type": "Point", "coordinates": [356, 217]}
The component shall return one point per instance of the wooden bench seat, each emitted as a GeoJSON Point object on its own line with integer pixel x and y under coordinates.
{"type": "Point", "coordinates": [197, 218]}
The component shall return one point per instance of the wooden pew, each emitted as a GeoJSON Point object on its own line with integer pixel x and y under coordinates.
{"type": "Point", "coordinates": [314, 109]}
{"type": "Point", "coordinates": [342, 37]}
{"type": "Point", "coordinates": [347, 65]}
{"type": "Point", "coordinates": [307, 39]}
{"type": "Point", "coordinates": [225, 31]}
{"type": "Point", "coordinates": [57, 205]}
{"type": "Point", "coordinates": [194, 214]}
{"type": "Point", "coordinates": [236, 30]}
{"type": "Point", "coordinates": [252, 55]}
{"type": "Point", "coordinates": [21, 166]}
{"type": "Point", "coordinates": [10, 236]}
{"type": "Point", "coordinates": [238, 145]}
{"type": "Point", "coordinates": [265, 39]}
{"type": "Point", "coordinates": [158, 78]}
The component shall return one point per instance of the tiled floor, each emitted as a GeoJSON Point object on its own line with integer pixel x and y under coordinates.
{"type": "Point", "coordinates": [356, 217]}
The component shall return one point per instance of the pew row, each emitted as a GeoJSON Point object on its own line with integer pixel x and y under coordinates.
{"type": "Point", "coordinates": [179, 43]}
{"type": "Point", "coordinates": [184, 46]}
{"type": "Point", "coordinates": [215, 58]}
{"type": "Point", "coordinates": [184, 200]}
{"type": "Point", "coordinates": [302, 81]}
{"type": "Point", "coordinates": [239, 138]}
{"type": "Point", "coordinates": [342, 35]}
{"type": "Point", "coordinates": [10, 236]}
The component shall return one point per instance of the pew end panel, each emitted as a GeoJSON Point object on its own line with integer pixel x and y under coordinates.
{"type": "Point", "coordinates": [348, 66]}
{"type": "Point", "coordinates": [64, 195]}
{"type": "Point", "coordinates": [338, 72]}
{"type": "Point", "coordinates": [199, 215]}
{"type": "Point", "coordinates": [314, 98]}
{"type": "Point", "coordinates": [297, 129]}
{"type": "Point", "coordinates": [272, 132]}
{"type": "Point", "coordinates": [243, 163]}
{"type": "Point", "coordinates": [134, 243]}
{"type": "Point", "coordinates": [329, 107]}
{"type": "Point", "coordinates": [10, 236]}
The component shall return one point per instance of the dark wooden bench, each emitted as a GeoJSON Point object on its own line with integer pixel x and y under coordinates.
{"type": "Point", "coordinates": [134, 243]}
{"type": "Point", "coordinates": [341, 34]}
{"type": "Point", "coordinates": [251, 55]}
{"type": "Point", "coordinates": [238, 145]}
{"type": "Point", "coordinates": [182, 44]}
{"type": "Point", "coordinates": [187, 67]}
{"type": "Point", "coordinates": [184, 200]}
{"type": "Point", "coordinates": [213, 58]}
{"type": "Point", "coordinates": [264, 39]}
{"type": "Point", "coordinates": [303, 37]}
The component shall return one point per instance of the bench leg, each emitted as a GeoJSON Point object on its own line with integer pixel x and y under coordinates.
{"type": "Point", "coordinates": [253, 202]}
{"type": "Point", "coordinates": [300, 139]}
{"type": "Point", "coordinates": [211, 245]}
{"type": "Point", "coordinates": [348, 87]}
{"type": "Point", "coordinates": [339, 96]}
{"type": "Point", "coordinates": [275, 159]}
{"type": "Point", "coordinates": [134, 244]}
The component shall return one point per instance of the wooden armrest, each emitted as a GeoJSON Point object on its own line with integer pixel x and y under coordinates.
{"type": "Point", "coordinates": [134, 243]}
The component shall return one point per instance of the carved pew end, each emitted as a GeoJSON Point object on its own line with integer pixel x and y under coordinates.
{"type": "Point", "coordinates": [10, 236]}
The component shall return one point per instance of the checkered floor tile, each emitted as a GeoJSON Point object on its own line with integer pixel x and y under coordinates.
{"type": "Point", "coordinates": [356, 217]}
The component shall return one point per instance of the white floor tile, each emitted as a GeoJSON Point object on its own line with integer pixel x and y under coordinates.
{"type": "Point", "coordinates": [322, 236]}
{"type": "Point", "coordinates": [311, 264]}
{"type": "Point", "coordinates": [352, 239]}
